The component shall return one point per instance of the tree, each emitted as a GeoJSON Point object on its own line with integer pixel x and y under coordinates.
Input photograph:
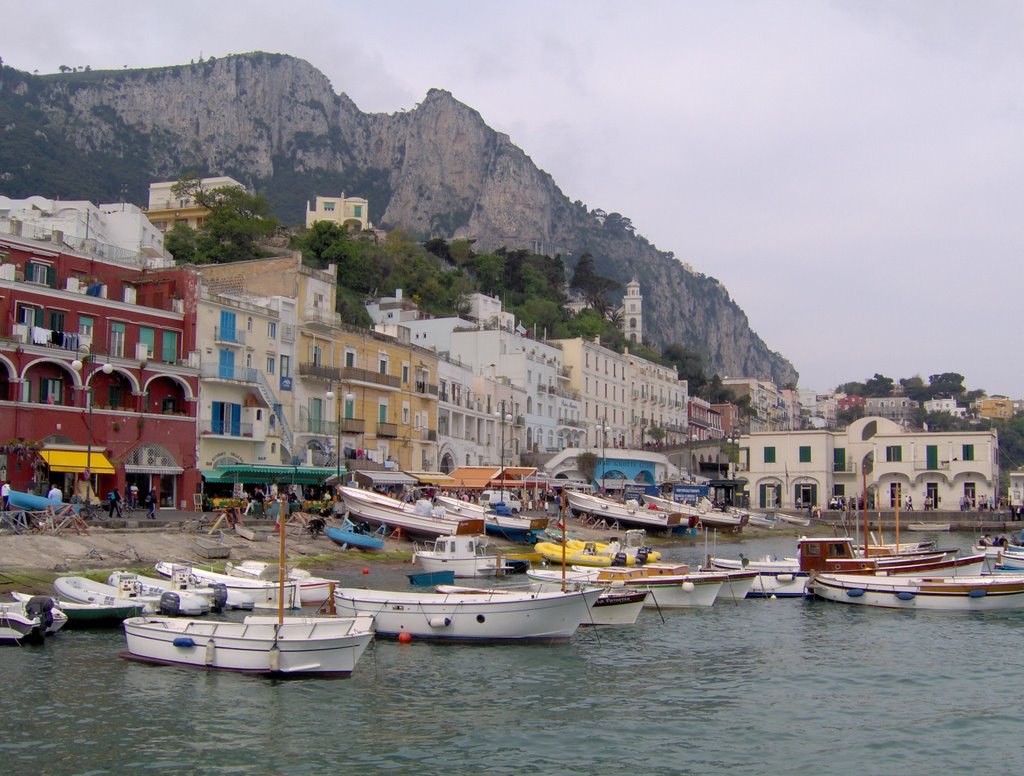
{"type": "Point", "coordinates": [879, 386]}
{"type": "Point", "coordinates": [949, 384]}
{"type": "Point", "coordinates": [593, 287]}
{"type": "Point", "coordinates": [235, 225]}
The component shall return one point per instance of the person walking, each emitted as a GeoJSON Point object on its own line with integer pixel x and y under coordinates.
{"type": "Point", "coordinates": [151, 504]}
{"type": "Point", "coordinates": [114, 504]}
{"type": "Point", "coordinates": [133, 496]}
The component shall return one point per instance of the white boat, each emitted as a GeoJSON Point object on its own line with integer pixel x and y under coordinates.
{"type": "Point", "coordinates": [672, 586]}
{"type": "Point", "coordinates": [927, 526]}
{"type": "Point", "coordinates": [182, 582]}
{"type": "Point", "coordinates": [265, 594]}
{"type": "Point", "coordinates": [29, 619]}
{"type": "Point", "coordinates": [313, 590]}
{"type": "Point", "coordinates": [959, 593]}
{"type": "Point", "coordinates": [514, 527]}
{"type": "Point", "coordinates": [259, 644]}
{"type": "Point", "coordinates": [703, 513]}
{"type": "Point", "coordinates": [613, 607]}
{"type": "Point", "coordinates": [775, 578]}
{"type": "Point", "coordinates": [88, 615]}
{"type": "Point", "coordinates": [420, 518]}
{"type": "Point", "coordinates": [630, 513]}
{"type": "Point", "coordinates": [548, 616]}
{"type": "Point", "coordinates": [126, 590]}
{"type": "Point", "coordinates": [465, 556]}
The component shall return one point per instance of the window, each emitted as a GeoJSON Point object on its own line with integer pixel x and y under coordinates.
{"type": "Point", "coordinates": [226, 418]}
{"type": "Point", "coordinates": [115, 395]}
{"type": "Point", "coordinates": [272, 329]}
{"type": "Point", "coordinates": [382, 363]}
{"type": "Point", "coordinates": [769, 455]}
{"type": "Point", "coordinates": [248, 324]}
{"type": "Point", "coordinates": [56, 320]}
{"type": "Point", "coordinates": [328, 207]}
{"type": "Point", "coordinates": [286, 366]}
{"type": "Point", "coordinates": [51, 390]}
{"type": "Point", "coordinates": [37, 272]}
{"type": "Point", "coordinates": [839, 460]}
{"type": "Point", "coordinates": [84, 326]}
{"type": "Point", "coordinates": [358, 211]}
{"type": "Point", "coordinates": [894, 454]}
{"type": "Point", "coordinates": [968, 453]}
{"type": "Point", "coordinates": [170, 347]}
{"type": "Point", "coordinates": [405, 374]}
{"type": "Point", "coordinates": [316, 355]}
{"type": "Point", "coordinates": [270, 365]}
{"type": "Point", "coordinates": [248, 360]}
{"type": "Point", "coordinates": [382, 412]}
{"type": "Point", "coordinates": [805, 454]}
{"type": "Point", "coordinates": [168, 405]}
{"type": "Point", "coordinates": [350, 358]}
{"type": "Point", "coordinates": [147, 337]}
{"type": "Point", "coordinates": [405, 413]}
{"type": "Point", "coordinates": [117, 340]}
{"type": "Point", "coordinates": [350, 407]}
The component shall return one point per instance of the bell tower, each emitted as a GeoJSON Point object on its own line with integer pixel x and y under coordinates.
{"type": "Point", "coordinates": [632, 313]}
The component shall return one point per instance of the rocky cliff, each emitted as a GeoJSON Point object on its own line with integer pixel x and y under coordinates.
{"type": "Point", "coordinates": [275, 122]}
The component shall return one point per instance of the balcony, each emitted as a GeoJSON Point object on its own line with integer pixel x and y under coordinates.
{"type": "Point", "coordinates": [425, 387]}
{"type": "Point", "coordinates": [352, 425]}
{"type": "Point", "coordinates": [317, 426]}
{"type": "Point", "coordinates": [321, 316]}
{"type": "Point", "coordinates": [228, 336]}
{"type": "Point", "coordinates": [428, 435]}
{"type": "Point", "coordinates": [219, 428]}
{"type": "Point", "coordinates": [320, 372]}
{"type": "Point", "coordinates": [387, 430]}
{"type": "Point", "coordinates": [520, 420]}
{"type": "Point", "coordinates": [240, 374]}
{"type": "Point", "coordinates": [849, 467]}
{"type": "Point", "coordinates": [366, 376]}
{"type": "Point", "coordinates": [443, 396]}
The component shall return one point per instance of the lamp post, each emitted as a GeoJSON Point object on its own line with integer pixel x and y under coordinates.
{"type": "Point", "coordinates": [78, 364]}
{"type": "Point", "coordinates": [337, 445]}
{"type": "Point", "coordinates": [503, 418]}
{"type": "Point", "coordinates": [604, 443]}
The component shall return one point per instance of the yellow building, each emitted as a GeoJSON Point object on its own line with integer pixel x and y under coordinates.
{"type": "Point", "coordinates": [995, 408]}
{"type": "Point", "coordinates": [165, 210]}
{"type": "Point", "coordinates": [350, 212]}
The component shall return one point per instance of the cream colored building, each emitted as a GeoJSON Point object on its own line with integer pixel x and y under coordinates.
{"type": "Point", "coordinates": [795, 469]}
{"type": "Point", "coordinates": [165, 210]}
{"type": "Point", "coordinates": [350, 212]}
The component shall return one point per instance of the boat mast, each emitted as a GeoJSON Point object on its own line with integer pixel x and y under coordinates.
{"type": "Point", "coordinates": [280, 571]}
{"type": "Point", "coordinates": [867, 528]}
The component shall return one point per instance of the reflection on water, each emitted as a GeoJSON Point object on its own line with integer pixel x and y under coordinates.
{"type": "Point", "coordinates": [749, 688]}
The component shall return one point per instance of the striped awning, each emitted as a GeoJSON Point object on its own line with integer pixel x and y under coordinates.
{"type": "Point", "coordinates": [256, 474]}
{"type": "Point", "coordinates": [386, 477]}
{"type": "Point", "coordinates": [432, 478]}
{"type": "Point", "coordinates": [77, 461]}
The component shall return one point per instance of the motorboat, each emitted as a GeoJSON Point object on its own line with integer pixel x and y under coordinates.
{"type": "Point", "coordinates": [613, 606]}
{"type": "Point", "coordinates": [581, 553]}
{"type": "Point", "coordinates": [265, 593]}
{"type": "Point", "coordinates": [313, 590]}
{"type": "Point", "coordinates": [498, 521]}
{"type": "Point", "coordinates": [29, 619]}
{"type": "Point", "coordinates": [355, 534]}
{"type": "Point", "coordinates": [81, 615]}
{"type": "Point", "coordinates": [672, 586]}
{"type": "Point", "coordinates": [465, 556]}
{"type": "Point", "coordinates": [630, 513]}
{"type": "Point", "coordinates": [128, 590]}
{"type": "Point", "coordinates": [182, 581]}
{"type": "Point", "coordinates": [703, 513]}
{"type": "Point", "coordinates": [943, 593]}
{"type": "Point", "coordinates": [421, 518]}
{"type": "Point", "coordinates": [532, 615]}
{"type": "Point", "coordinates": [294, 646]}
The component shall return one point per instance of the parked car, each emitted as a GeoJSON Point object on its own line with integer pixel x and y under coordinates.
{"type": "Point", "coordinates": [493, 497]}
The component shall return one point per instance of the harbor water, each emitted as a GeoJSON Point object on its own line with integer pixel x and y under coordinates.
{"type": "Point", "coordinates": [747, 687]}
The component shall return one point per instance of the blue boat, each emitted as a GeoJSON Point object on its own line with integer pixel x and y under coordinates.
{"type": "Point", "coordinates": [31, 502]}
{"type": "Point", "coordinates": [431, 578]}
{"type": "Point", "coordinates": [352, 535]}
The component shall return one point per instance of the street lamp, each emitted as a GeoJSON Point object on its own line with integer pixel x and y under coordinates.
{"type": "Point", "coordinates": [503, 418]}
{"type": "Point", "coordinates": [107, 368]}
{"type": "Point", "coordinates": [604, 442]}
{"type": "Point", "coordinates": [337, 445]}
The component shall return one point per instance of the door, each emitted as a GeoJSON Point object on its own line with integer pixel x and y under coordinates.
{"type": "Point", "coordinates": [226, 364]}
{"type": "Point", "coordinates": [932, 453]}
{"type": "Point", "coordinates": [895, 494]}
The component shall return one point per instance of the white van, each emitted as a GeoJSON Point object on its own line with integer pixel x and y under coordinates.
{"type": "Point", "coordinates": [492, 497]}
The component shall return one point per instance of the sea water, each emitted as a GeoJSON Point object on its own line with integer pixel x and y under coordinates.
{"type": "Point", "coordinates": [748, 687]}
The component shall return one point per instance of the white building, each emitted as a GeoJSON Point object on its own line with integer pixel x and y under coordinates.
{"type": "Point", "coordinates": [801, 468]}
{"type": "Point", "coordinates": [948, 406]}
{"type": "Point", "coordinates": [632, 313]}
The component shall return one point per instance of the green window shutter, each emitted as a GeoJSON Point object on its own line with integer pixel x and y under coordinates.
{"type": "Point", "coordinates": [147, 337]}
{"type": "Point", "coordinates": [769, 455]}
{"type": "Point", "coordinates": [382, 413]}
{"type": "Point", "coordinates": [805, 454]}
{"type": "Point", "coordinates": [40, 317]}
{"type": "Point", "coordinates": [839, 459]}
{"type": "Point", "coordinates": [968, 453]}
{"type": "Point", "coordinates": [932, 453]}
{"type": "Point", "coordinates": [170, 347]}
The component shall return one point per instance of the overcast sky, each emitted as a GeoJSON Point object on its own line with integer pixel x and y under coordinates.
{"type": "Point", "coordinates": [851, 171]}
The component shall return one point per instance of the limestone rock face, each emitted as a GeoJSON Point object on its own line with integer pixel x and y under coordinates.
{"type": "Point", "coordinates": [274, 122]}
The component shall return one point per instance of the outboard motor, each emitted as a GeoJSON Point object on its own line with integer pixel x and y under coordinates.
{"type": "Point", "coordinates": [40, 606]}
{"type": "Point", "coordinates": [170, 604]}
{"type": "Point", "coordinates": [220, 597]}
{"type": "Point", "coordinates": [641, 555]}
{"type": "Point", "coordinates": [619, 559]}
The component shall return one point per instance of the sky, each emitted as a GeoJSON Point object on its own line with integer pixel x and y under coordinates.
{"type": "Point", "coordinates": [852, 172]}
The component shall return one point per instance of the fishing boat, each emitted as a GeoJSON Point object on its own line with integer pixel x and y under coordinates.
{"type": "Point", "coordinates": [421, 518]}
{"type": "Point", "coordinates": [183, 581]}
{"type": "Point", "coordinates": [360, 535]}
{"type": "Point", "coordinates": [313, 590]}
{"type": "Point", "coordinates": [534, 615]}
{"type": "Point", "coordinates": [264, 593]}
{"type": "Point", "coordinates": [672, 586]}
{"type": "Point", "coordinates": [703, 513]}
{"type": "Point", "coordinates": [29, 619]}
{"type": "Point", "coordinates": [278, 646]}
{"type": "Point", "coordinates": [613, 607]}
{"type": "Point", "coordinates": [580, 553]}
{"type": "Point", "coordinates": [81, 615]}
{"type": "Point", "coordinates": [498, 521]}
{"type": "Point", "coordinates": [958, 593]}
{"type": "Point", "coordinates": [306, 646]}
{"type": "Point", "coordinates": [630, 513]}
{"type": "Point", "coordinates": [465, 556]}
{"type": "Point", "coordinates": [128, 590]}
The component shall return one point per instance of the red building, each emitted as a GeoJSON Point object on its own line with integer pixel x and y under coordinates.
{"type": "Point", "coordinates": [96, 367]}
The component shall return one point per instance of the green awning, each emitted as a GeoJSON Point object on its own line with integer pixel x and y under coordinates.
{"type": "Point", "coordinates": [255, 474]}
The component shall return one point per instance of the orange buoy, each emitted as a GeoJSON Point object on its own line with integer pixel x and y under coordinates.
{"type": "Point", "coordinates": [404, 637]}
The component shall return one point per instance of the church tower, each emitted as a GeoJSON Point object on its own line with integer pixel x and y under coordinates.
{"type": "Point", "coordinates": [632, 313]}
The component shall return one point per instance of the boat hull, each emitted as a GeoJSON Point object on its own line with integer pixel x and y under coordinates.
{"type": "Point", "coordinates": [486, 616]}
{"type": "Point", "coordinates": [353, 539]}
{"type": "Point", "coordinates": [962, 593]}
{"type": "Point", "coordinates": [622, 513]}
{"type": "Point", "coordinates": [381, 510]}
{"type": "Point", "coordinates": [617, 607]}
{"type": "Point", "coordinates": [264, 594]}
{"type": "Point", "coordinates": [301, 646]}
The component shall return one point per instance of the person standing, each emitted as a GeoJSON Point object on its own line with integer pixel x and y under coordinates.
{"type": "Point", "coordinates": [5, 494]}
{"type": "Point", "coordinates": [133, 496]}
{"type": "Point", "coordinates": [151, 504]}
{"type": "Point", "coordinates": [55, 494]}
